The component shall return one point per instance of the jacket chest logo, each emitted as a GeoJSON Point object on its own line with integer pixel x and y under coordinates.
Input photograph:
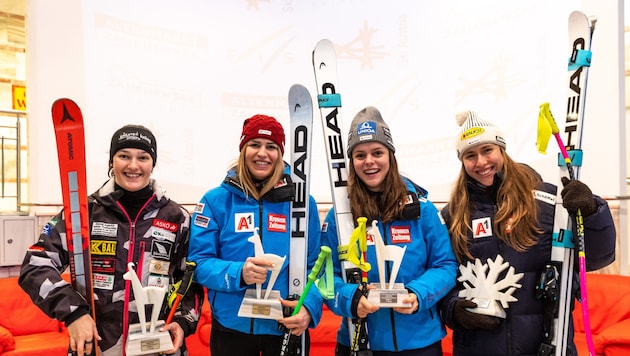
{"type": "Point", "coordinates": [482, 227]}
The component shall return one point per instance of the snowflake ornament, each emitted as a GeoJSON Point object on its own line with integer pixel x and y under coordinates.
{"type": "Point", "coordinates": [484, 289]}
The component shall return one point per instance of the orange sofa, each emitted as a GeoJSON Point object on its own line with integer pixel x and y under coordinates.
{"type": "Point", "coordinates": [608, 298]}
{"type": "Point", "coordinates": [24, 329]}
{"type": "Point", "coordinates": [323, 337]}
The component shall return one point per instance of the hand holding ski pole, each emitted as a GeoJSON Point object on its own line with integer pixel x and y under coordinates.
{"type": "Point", "coordinates": [184, 284]}
{"type": "Point", "coordinates": [314, 275]}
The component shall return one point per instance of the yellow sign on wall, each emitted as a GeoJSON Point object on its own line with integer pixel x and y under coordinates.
{"type": "Point", "coordinates": [19, 97]}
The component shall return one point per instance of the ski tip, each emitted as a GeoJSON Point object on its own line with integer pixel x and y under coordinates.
{"type": "Point", "coordinates": [64, 109]}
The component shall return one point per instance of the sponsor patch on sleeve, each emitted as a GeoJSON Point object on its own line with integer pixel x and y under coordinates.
{"type": "Point", "coordinates": [545, 197]}
{"type": "Point", "coordinates": [201, 221]}
{"type": "Point", "coordinates": [199, 208]}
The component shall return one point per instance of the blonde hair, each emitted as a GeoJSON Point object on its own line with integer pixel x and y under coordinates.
{"type": "Point", "coordinates": [245, 178]}
{"type": "Point", "coordinates": [516, 218]}
{"type": "Point", "coordinates": [387, 205]}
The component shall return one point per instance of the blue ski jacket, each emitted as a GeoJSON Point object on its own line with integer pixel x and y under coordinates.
{"type": "Point", "coordinates": [521, 332]}
{"type": "Point", "coordinates": [222, 222]}
{"type": "Point", "coordinates": [428, 270]}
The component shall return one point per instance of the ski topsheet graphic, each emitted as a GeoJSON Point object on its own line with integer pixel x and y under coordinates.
{"type": "Point", "coordinates": [301, 116]}
{"type": "Point", "coordinates": [68, 124]}
{"type": "Point", "coordinates": [560, 273]}
{"type": "Point", "coordinates": [329, 102]}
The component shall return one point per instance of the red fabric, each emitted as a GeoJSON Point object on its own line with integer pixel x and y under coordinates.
{"type": "Point", "coordinates": [262, 126]}
{"type": "Point", "coordinates": [19, 315]}
{"type": "Point", "coordinates": [7, 342]}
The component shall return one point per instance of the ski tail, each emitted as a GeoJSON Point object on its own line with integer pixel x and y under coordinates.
{"type": "Point", "coordinates": [69, 134]}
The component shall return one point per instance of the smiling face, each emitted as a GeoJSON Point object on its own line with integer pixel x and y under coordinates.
{"type": "Point", "coordinates": [371, 164]}
{"type": "Point", "coordinates": [261, 157]}
{"type": "Point", "coordinates": [132, 168]}
{"type": "Point", "coordinates": [482, 162]}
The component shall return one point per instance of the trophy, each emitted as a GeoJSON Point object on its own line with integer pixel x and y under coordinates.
{"type": "Point", "coordinates": [254, 304]}
{"type": "Point", "coordinates": [484, 289]}
{"type": "Point", "coordinates": [387, 294]}
{"type": "Point", "coordinates": [145, 339]}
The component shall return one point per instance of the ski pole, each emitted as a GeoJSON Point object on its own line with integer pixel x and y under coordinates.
{"type": "Point", "coordinates": [321, 258]}
{"type": "Point", "coordinates": [182, 289]}
{"type": "Point", "coordinates": [545, 114]}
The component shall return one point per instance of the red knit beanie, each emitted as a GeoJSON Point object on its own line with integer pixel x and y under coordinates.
{"type": "Point", "coordinates": [262, 126]}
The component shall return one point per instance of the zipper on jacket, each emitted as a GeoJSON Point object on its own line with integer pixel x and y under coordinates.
{"type": "Point", "coordinates": [387, 275]}
{"type": "Point", "coordinates": [260, 234]}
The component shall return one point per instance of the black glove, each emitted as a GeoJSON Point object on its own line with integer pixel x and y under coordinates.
{"type": "Point", "coordinates": [577, 195]}
{"type": "Point", "coordinates": [471, 321]}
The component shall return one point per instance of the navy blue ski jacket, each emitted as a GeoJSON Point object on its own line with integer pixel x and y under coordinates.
{"type": "Point", "coordinates": [521, 332]}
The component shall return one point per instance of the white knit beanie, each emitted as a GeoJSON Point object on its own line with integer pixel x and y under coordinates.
{"type": "Point", "coordinates": [475, 131]}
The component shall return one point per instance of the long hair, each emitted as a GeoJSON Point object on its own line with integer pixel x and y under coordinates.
{"type": "Point", "coordinates": [516, 219]}
{"type": "Point", "coordinates": [388, 205]}
{"type": "Point", "coordinates": [245, 178]}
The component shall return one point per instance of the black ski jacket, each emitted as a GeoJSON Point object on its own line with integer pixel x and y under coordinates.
{"type": "Point", "coordinates": [158, 236]}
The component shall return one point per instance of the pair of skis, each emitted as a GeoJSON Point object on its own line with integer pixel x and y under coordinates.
{"type": "Point", "coordinates": [557, 334]}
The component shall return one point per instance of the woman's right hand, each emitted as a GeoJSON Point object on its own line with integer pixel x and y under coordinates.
{"type": "Point", "coordinates": [83, 332]}
{"type": "Point", "coordinates": [255, 270]}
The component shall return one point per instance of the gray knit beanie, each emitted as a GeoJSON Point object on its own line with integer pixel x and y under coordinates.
{"type": "Point", "coordinates": [369, 126]}
{"type": "Point", "coordinates": [475, 131]}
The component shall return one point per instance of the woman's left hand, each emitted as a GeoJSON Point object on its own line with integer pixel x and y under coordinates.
{"type": "Point", "coordinates": [413, 299]}
{"type": "Point", "coordinates": [297, 323]}
{"type": "Point", "coordinates": [177, 336]}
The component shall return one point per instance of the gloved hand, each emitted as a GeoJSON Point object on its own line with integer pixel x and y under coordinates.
{"type": "Point", "coordinates": [577, 195]}
{"type": "Point", "coordinates": [471, 321]}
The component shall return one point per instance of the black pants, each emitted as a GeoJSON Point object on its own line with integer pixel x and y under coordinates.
{"type": "Point", "coordinates": [431, 350]}
{"type": "Point", "coordinates": [229, 342]}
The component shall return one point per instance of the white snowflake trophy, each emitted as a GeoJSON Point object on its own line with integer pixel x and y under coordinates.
{"type": "Point", "coordinates": [254, 304]}
{"type": "Point", "coordinates": [481, 286]}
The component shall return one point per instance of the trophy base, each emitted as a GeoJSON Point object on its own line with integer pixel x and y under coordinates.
{"type": "Point", "coordinates": [389, 298]}
{"type": "Point", "coordinates": [149, 343]}
{"type": "Point", "coordinates": [487, 307]}
{"type": "Point", "coordinates": [252, 307]}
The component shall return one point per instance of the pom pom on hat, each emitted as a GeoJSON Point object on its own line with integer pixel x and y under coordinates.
{"type": "Point", "coordinates": [262, 126]}
{"type": "Point", "coordinates": [368, 126]}
{"type": "Point", "coordinates": [133, 136]}
{"type": "Point", "coordinates": [475, 131]}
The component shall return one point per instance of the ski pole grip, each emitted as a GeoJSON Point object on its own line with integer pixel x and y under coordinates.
{"type": "Point", "coordinates": [321, 258]}
{"type": "Point", "coordinates": [187, 278]}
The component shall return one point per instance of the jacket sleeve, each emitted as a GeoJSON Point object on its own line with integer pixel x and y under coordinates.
{"type": "Point", "coordinates": [441, 273]}
{"type": "Point", "coordinates": [600, 237]}
{"type": "Point", "coordinates": [40, 275]}
{"type": "Point", "coordinates": [191, 302]}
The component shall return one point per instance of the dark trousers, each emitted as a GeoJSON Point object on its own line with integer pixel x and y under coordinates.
{"type": "Point", "coordinates": [431, 350]}
{"type": "Point", "coordinates": [229, 342]}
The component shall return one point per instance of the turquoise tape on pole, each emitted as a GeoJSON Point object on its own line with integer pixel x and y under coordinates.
{"type": "Point", "coordinates": [580, 58]}
{"type": "Point", "coordinates": [574, 155]}
{"type": "Point", "coordinates": [329, 100]}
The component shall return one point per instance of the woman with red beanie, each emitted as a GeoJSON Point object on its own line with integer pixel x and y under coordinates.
{"type": "Point", "coordinates": [254, 199]}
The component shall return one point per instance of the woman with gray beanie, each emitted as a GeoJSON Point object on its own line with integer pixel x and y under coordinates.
{"type": "Point", "coordinates": [131, 221]}
{"type": "Point", "coordinates": [404, 217]}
